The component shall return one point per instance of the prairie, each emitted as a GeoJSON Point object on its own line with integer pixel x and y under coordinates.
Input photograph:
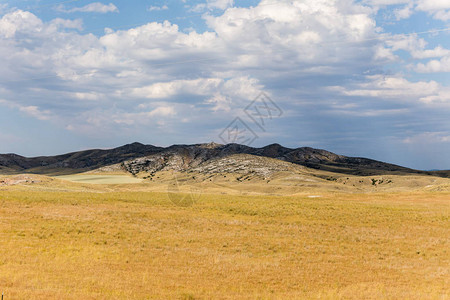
{"type": "Point", "coordinates": [62, 240]}
{"type": "Point", "coordinates": [100, 178]}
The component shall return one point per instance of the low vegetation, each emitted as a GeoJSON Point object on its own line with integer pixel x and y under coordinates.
{"type": "Point", "coordinates": [113, 243]}
{"type": "Point", "coordinates": [100, 179]}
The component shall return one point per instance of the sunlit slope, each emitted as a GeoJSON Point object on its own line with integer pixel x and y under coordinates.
{"type": "Point", "coordinates": [278, 182]}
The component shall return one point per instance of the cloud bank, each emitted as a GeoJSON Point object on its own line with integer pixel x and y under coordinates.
{"type": "Point", "coordinates": [318, 59]}
{"type": "Point", "coordinates": [95, 7]}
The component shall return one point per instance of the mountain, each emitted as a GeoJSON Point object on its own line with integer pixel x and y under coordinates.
{"type": "Point", "coordinates": [204, 158]}
{"type": "Point", "coordinates": [76, 161]}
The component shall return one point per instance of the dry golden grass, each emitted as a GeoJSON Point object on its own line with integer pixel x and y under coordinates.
{"type": "Point", "coordinates": [106, 244]}
{"type": "Point", "coordinates": [101, 178]}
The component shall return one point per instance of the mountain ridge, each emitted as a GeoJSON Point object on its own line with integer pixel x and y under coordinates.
{"type": "Point", "coordinates": [137, 157]}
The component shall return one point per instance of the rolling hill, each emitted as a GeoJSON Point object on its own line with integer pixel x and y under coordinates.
{"type": "Point", "coordinates": [202, 158]}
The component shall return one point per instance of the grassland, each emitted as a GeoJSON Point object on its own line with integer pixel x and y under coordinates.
{"type": "Point", "coordinates": [100, 178]}
{"type": "Point", "coordinates": [100, 242]}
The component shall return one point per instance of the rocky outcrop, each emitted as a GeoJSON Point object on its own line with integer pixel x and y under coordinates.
{"type": "Point", "coordinates": [135, 158]}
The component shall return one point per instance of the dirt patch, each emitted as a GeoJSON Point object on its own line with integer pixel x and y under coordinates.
{"type": "Point", "coordinates": [19, 179]}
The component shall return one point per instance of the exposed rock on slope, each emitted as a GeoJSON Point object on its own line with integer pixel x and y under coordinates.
{"type": "Point", "coordinates": [189, 157]}
{"type": "Point", "coordinates": [136, 158]}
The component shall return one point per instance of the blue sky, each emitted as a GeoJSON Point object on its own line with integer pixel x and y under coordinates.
{"type": "Point", "coordinates": [362, 78]}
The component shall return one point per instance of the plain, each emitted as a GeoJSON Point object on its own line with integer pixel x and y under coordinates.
{"type": "Point", "coordinates": [75, 241]}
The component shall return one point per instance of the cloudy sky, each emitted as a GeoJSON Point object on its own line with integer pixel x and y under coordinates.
{"type": "Point", "coordinates": [363, 78]}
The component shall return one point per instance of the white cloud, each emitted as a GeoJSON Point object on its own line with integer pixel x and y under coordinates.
{"type": "Point", "coordinates": [433, 5]}
{"type": "Point", "coordinates": [158, 8]}
{"type": "Point", "coordinates": [155, 116]}
{"type": "Point", "coordinates": [31, 110]}
{"type": "Point", "coordinates": [428, 138]}
{"type": "Point", "coordinates": [34, 111]}
{"type": "Point", "coordinates": [168, 89]}
{"type": "Point", "coordinates": [399, 89]}
{"type": "Point", "coordinates": [92, 96]}
{"type": "Point", "coordinates": [429, 53]}
{"type": "Point", "coordinates": [63, 23]}
{"type": "Point", "coordinates": [220, 102]}
{"type": "Point", "coordinates": [212, 5]}
{"type": "Point", "coordinates": [435, 66]}
{"type": "Point", "coordinates": [440, 97]}
{"type": "Point", "coordinates": [368, 112]}
{"type": "Point", "coordinates": [95, 7]}
{"type": "Point", "coordinates": [415, 46]}
{"type": "Point", "coordinates": [162, 111]}
{"type": "Point", "coordinates": [220, 4]}
{"type": "Point", "coordinates": [404, 12]}
{"type": "Point", "coordinates": [123, 77]}
{"type": "Point", "coordinates": [19, 21]}
{"type": "Point", "coordinates": [442, 15]}
{"type": "Point", "coordinates": [387, 2]}
{"type": "Point", "coordinates": [439, 9]}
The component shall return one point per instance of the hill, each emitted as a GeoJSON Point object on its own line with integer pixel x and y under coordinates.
{"type": "Point", "coordinates": [136, 158]}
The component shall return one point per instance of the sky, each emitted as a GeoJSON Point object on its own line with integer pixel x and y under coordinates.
{"type": "Point", "coordinates": [367, 78]}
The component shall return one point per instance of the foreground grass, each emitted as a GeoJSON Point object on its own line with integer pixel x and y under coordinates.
{"type": "Point", "coordinates": [67, 245]}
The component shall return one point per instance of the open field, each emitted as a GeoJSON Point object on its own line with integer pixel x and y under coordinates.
{"type": "Point", "coordinates": [100, 179]}
{"type": "Point", "coordinates": [101, 243]}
